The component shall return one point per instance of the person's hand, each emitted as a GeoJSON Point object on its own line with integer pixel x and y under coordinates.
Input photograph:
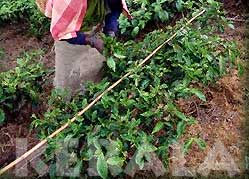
{"type": "Point", "coordinates": [95, 43]}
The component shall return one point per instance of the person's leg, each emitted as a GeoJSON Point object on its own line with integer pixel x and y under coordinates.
{"type": "Point", "coordinates": [111, 19]}
{"type": "Point", "coordinates": [79, 40]}
{"type": "Point", "coordinates": [111, 23]}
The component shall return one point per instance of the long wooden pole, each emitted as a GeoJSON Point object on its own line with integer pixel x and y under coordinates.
{"type": "Point", "coordinates": [43, 142]}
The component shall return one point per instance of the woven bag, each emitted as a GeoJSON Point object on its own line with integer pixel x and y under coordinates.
{"type": "Point", "coordinates": [41, 5]}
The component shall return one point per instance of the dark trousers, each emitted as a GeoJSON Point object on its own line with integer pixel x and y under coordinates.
{"type": "Point", "coordinates": [111, 22]}
{"type": "Point", "coordinates": [111, 19]}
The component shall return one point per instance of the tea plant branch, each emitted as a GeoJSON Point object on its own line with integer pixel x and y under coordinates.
{"type": "Point", "coordinates": [43, 142]}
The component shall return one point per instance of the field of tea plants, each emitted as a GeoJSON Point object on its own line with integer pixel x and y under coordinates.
{"type": "Point", "coordinates": [189, 92]}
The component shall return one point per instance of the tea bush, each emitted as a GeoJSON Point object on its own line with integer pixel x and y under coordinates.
{"type": "Point", "coordinates": [26, 11]}
{"type": "Point", "coordinates": [156, 13]}
{"type": "Point", "coordinates": [20, 85]}
{"type": "Point", "coordinates": [139, 116]}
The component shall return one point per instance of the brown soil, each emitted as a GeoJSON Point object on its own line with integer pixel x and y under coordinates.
{"type": "Point", "coordinates": [14, 41]}
{"type": "Point", "coordinates": [236, 7]}
{"type": "Point", "coordinates": [221, 118]}
{"type": "Point", "coordinates": [9, 134]}
{"type": "Point", "coordinates": [218, 119]}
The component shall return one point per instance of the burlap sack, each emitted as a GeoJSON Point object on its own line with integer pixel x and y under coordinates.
{"type": "Point", "coordinates": [75, 65]}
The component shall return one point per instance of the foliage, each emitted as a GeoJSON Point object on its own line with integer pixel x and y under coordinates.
{"type": "Point", "coordinates": [139, 116]}
{"type": "Point", "coordinates": [26, 10]}
{"type": "Point", "coordinates": [20, 85]}
{"type": "Point", "coordinates": [187, 145]}
{"type": "Point", "coordinates": [159, 12]}
{"type": "Point", "coordinates": [146, 11]}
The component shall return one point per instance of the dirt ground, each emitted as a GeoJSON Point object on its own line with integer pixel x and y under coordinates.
{"type": "Point", "coordinates": [14, 41]}
{"type": "Point", "coordinates": [220, 118]}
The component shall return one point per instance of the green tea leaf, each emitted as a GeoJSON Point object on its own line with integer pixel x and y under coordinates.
{"type": "Point", "coordinates": [240, 69]}
{"type": "Point", "coordinates": [111, 63]}
{"type": "Point", "coordinates": [143, 151]}
{"type": "Point", "coordinates": [158, 127]}
{"type": "Point", "coordinates": [135, 31]}
{"type": "Point", "coordinates": [2, 116]}
{"type": "Point", "coordinates": [199, 94]}
{"type": "Point", "coordinates": [201, 143]}
{"type": "Point", "coordinates": [148, 114]}
{"type": "Point", "coordinates": [180, 115]}
{"type": "Point", "coordinates": [164, 16]}
{"type": "Point", "coordinates": [180, 128]}
{"type": "Point", "coordinates": [179, 5]}
{"type": "Point", "coordinates": [187, 145]}
{"type": "Point", "coordinates": [118, 161]}
{"type": "Point", "coordinates": [102, 167]}
{"type": "Point", "coordinates": [231, 26]}
{"type": "Point", "coordinates": [119, 56]}
{"type": "Point", "coordinates": [139, 159]}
